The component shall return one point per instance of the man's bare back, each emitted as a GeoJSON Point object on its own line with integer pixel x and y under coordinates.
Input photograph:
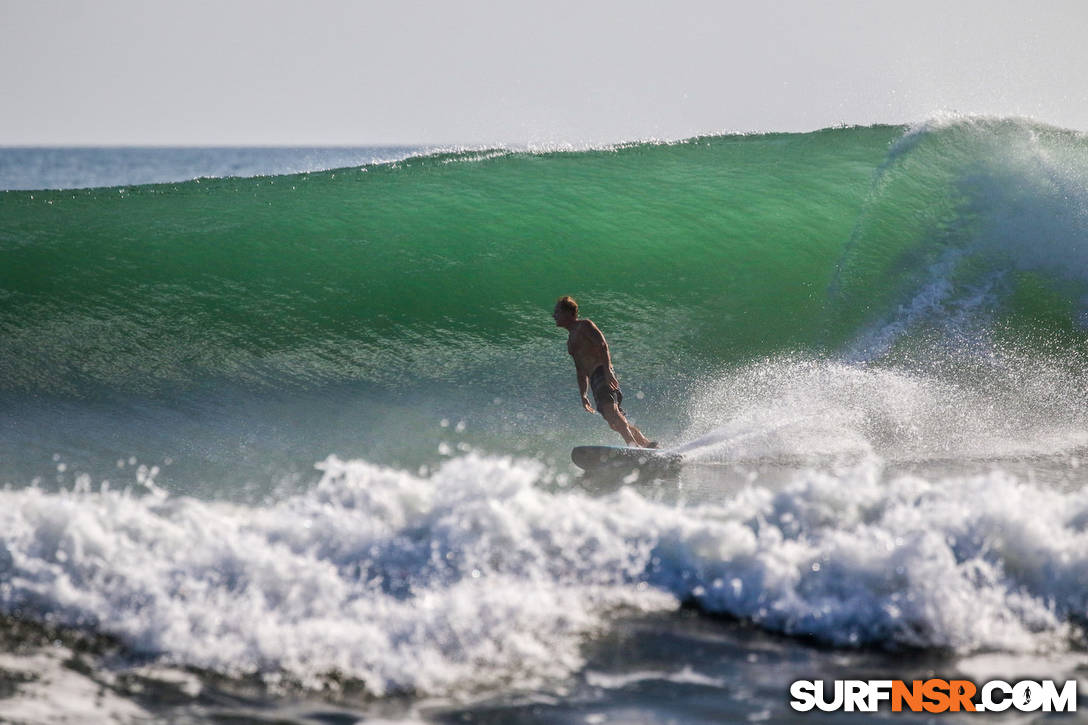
{"type": "Point", "coordinates": [586, 344]}
{"type": "Point", "coordinates": [593, 364]}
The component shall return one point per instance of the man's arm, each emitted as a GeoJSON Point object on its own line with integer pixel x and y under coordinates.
{"type": "Point", "coordinates": [583, 386]}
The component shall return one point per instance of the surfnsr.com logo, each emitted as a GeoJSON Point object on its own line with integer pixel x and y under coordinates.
{"type": "Point", "coordinates": [934, 696]}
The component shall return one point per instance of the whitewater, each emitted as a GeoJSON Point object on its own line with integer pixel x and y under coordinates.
{"type": "Point", "coordinates": [295, 445]}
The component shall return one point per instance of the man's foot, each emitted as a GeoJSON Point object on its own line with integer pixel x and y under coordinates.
{"type": "Point", "coordinates": [652, 444]}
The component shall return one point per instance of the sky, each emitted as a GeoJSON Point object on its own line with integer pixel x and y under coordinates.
{"type": "Point", "coordinates": [333, 72]}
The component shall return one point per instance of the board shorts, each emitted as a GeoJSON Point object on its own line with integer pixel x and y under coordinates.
{"type": "Point", "coordinates": [603, 393]}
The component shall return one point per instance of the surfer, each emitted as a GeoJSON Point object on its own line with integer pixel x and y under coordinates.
{"type": "Point", "coordinates": [587, 346]}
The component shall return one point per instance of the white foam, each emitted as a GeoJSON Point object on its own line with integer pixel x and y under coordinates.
{"type": "Point", "coordinates": [475, 578]}
{"type": "Point", "coordinates": [54, 693]}
{"type": "Point", "coordinates": [970, 564]}
{"type": "Point", "coordinates": [406, 583]}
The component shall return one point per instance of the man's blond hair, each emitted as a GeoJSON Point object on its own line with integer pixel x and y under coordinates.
{"type": "Point", "coordinates": [568, 304]}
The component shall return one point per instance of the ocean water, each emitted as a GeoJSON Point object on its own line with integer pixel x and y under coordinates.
{"type": "Point", "coordinates": [288, 444]}
{"type": "Point", "coordinates": [85, 167]}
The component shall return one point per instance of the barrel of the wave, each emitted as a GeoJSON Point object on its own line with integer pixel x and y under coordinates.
{"type": "Point", "coordinates": [974, 229]}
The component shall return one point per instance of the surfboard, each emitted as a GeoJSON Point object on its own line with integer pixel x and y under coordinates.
{"type": "Point", "coordinates": [592, 458]}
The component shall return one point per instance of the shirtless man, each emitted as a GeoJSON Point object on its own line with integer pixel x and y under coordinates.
{"type": "Point", "coordinates": [587, 346]}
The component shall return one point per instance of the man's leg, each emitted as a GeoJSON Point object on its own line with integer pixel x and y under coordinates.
{"type": "Point", "coordinates": [611, 413]}
{"type": "Point", "coordinates": [618, 421]}
{"type": "Point", "coordinates": [639, 438]}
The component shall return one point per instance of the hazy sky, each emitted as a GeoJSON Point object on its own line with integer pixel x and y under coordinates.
{"type": "Point", "coordinates": [337, 72]}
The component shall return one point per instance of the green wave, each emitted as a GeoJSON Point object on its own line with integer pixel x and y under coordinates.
{"type": "Point", "coordinates": [445, 267]}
